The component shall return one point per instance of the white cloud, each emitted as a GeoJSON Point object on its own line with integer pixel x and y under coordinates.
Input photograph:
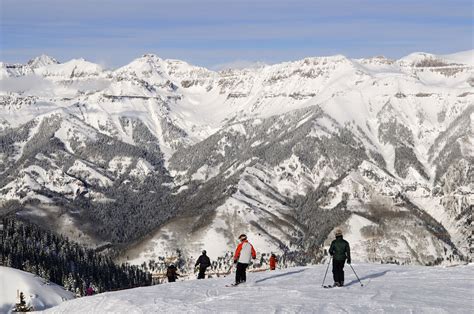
{"type": "Point", "coordinates": [22, 84]}
{"type": "Point", "coordinates": [37, 85]}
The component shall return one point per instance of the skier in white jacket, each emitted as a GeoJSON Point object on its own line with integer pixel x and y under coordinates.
{"type": "Point", "coordinates": [243, 254]}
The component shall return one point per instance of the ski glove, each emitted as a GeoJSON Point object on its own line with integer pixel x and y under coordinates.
{"type": "Point", "coordinates": [349, 261]}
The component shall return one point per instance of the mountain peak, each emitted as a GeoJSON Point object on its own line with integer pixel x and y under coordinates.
{"type": "Point", "coordinates": [148, 65]}
{"type": "Point", "coordinates": [72, 68]}
{"type": "Point", "coordinates": [464, 57]}
{"type": "Point", "coordinates": [150, 56]}
{"type": "Point", "coordinates": [42, 60]}
{"type": "Point", "coordinates": [418, 58]}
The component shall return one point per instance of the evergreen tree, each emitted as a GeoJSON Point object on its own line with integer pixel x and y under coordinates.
{"type": "Point", "coordinates": [21, 306]}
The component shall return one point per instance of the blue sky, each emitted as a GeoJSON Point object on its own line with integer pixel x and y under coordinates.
{"type": "Point", "coordinates": [214, 33]}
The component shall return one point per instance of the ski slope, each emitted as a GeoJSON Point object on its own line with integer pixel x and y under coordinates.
{"type": "Point", "coordinates": [387, 289]}
{"type": "Point", "coordinates": [38, 292]}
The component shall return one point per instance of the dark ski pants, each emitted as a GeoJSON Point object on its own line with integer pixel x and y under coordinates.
{"type": "Point", "coordinates": [202, 273]}
{"type": "Point", "coordinates": [338, 271]}
{"type": "Point", "coordinates": [240, 275]}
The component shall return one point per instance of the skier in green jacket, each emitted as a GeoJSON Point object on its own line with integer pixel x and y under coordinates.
{"type": "Point", "coordinates": [340, 251]}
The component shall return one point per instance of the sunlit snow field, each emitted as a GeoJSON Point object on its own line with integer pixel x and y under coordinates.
{"type": "Point", "coordinates": [387, 289]}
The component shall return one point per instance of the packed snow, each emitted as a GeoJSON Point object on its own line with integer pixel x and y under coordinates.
{"type": "Point", "coordinates": [386, 289]}
{"type": "Point", "coordinates": [38, 292]}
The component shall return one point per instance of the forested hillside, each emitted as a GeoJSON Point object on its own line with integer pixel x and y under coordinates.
{"type": "Point", "coordinates": [53, 257]}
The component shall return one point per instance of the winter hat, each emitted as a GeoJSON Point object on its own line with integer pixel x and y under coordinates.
{"type": "Point", "coordinates": [204, 252]}
{"type": "Point", "coordinates": [338, 232]}
{"type": "Point", "coordinates": [242, 237]}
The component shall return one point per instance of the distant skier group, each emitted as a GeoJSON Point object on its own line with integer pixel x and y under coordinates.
{"type": "Point", "coordinates": [245, 252]}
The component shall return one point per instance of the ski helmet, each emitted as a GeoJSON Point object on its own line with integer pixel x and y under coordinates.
{"type": "Point", "coordinates": [204, 252]}
{"type": "Point", "coordinates": [242, 237]}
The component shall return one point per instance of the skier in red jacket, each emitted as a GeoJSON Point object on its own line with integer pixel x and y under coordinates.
{"type": "Point", "coordinates": [242, 256]}
{"type": "Point", "coordinates": [273, 261]}
{"type": "Point", "coordinates": [90, 291]}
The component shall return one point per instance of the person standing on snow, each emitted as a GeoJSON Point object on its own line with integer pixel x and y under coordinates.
{"type": "Point", "coordinates": [340, 251]}
{"type": "Point", "coordinates": [204, 262]}
{"type": "Point", "coordinates": [90, 291]}
{"type": "Point", "coordinates": [171, 273]}
{"type": "Point", "coordinates": [273, 261]}
{"type": "Point", "coordinates": [242, 256]}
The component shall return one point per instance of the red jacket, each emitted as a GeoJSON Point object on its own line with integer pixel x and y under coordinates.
{"type": "Point", "coordinates": [89, 291]}
{"type": "Point", "coordinates": [243, 252]}
{"type": "Point", "coordinates": [273, 262]}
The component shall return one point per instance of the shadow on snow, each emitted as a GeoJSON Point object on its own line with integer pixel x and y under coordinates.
{"type": "Point", "coordinates": [280, 275]}
{"type": "Point", "coordinates": [380, 274]}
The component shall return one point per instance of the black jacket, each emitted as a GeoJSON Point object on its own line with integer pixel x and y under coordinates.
{"type": "Point", "coordinates": [340, 250]}
{"type": "Point", "coordinates": [203, 261]}
{"type": "Point", "coordinates": [171, 273]}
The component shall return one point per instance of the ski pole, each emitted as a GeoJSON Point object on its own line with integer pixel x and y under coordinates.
{"type": "Point", "coordinates": [356, 275]}
{"type": "Point", "coordinates": [322, 285]}
{"type": "Point", "coordinates": [229, 270]}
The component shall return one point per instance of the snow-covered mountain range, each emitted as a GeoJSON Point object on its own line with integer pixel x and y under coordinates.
{"type": "Point", "coordinates": [160, 155]}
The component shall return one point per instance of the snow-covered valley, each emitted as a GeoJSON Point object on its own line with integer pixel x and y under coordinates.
{"type": "Point", "coordinates": [387, 289]}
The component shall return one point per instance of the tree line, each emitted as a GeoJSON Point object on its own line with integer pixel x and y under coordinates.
{"type": "Point", "coordinates": [55, 258]}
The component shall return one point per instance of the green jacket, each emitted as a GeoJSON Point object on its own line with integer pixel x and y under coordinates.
{"type": "Point", "coordinates": [340, 250]}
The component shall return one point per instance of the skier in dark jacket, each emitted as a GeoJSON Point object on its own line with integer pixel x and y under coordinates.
{"type": "Point", "coordinates": [340, 251]}
{"type": "Point", "coordinates": [171, 273]}
{"type": "Point", "coordinates": [203, 262]}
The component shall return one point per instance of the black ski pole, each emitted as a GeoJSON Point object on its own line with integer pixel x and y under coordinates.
{"type": "Point", "coordinates": [322, 285]}
{"type": "Point", "coordinates": [356, 275]}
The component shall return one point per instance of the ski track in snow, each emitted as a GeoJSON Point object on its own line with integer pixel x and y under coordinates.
{"type": "Point", "coordinates": [387, 289]}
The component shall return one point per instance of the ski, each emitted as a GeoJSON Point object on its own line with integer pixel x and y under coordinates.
{"type": "Point", "coordinates": [232, 285]}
